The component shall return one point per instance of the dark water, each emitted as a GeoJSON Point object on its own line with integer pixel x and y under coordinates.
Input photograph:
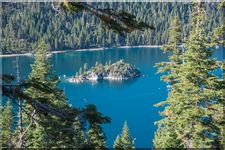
{"type": "Point", "coordinates": [131, 100]}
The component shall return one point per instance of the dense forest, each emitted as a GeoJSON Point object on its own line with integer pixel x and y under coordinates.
{"type": "Point", "coordinates": [24, 24]}
{"type": "Point", "coordinates": [193, 114]}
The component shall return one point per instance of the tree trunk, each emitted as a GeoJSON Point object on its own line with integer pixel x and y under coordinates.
{"type": "Point", "coordinates": [20, 115]}
{"type": "Point", "coordinates": [20, 142]}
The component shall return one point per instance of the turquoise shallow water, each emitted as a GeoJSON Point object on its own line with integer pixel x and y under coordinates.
{"type": "Point", "coordinates": [130, 100]}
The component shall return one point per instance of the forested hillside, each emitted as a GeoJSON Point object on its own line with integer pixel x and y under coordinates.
{"type": "Point", "coordinates": [39, 114]}
{"type": "Point", "coordinates": [24, 24]}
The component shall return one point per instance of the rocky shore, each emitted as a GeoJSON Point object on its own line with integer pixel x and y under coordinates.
{"type": "Point", "coordinates": [116, 71]}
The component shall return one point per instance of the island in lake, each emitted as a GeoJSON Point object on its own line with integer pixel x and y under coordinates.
{"type": "Point", "coordinates": [116, 71]}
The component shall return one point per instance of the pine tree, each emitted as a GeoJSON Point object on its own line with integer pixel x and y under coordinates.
{"type": "Point", "coordinates": [80, 71]}
{"type": "Point", "coordinates": [195, 102]}
{"type": "Point", "coordinates": [117, 143]}
{"type": "Point", "coordinates": [6, 126]}
{"type": "Point", "coordinates": [85, 67]}
{"type": "Point", "coordinates": [96, 137]}
{"type": "Point", "coordinates": [40, 70]}
{"type": "Point", "coordinates": [37, 137]}
{"type": "Point", "coordinates": [124, 141]}
{"type": "Point", "coordinates": [80, 140]}
{"type": "Point", "coordinates": [48, 131]}
{"type": "Point", "coordinates": [165, 137]}
{"type": "Point", "coordinates": [41, 67]}
{"type": "Point", "coordinates": [201, 93]}
{"type": "Point", "coordinates": [174, 48]}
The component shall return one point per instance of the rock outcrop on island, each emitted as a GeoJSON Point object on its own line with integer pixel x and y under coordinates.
{"type": "Point", "coordinates": [116, 71]}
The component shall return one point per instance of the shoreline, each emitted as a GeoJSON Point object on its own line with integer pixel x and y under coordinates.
{"type": "Point", "coordinates": [79, 50]}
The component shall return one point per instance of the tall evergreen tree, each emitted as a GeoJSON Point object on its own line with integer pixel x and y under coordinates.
{"type": "Point", "coordinates": [124, 141]}
{"type": "Point", "coordinates": [117, 143]}
{"type": "Point", "coordinates": [195, 103]}
{"type": "Point", "coordinates": [97, 138]}
{"type": "Point", "coordinates": [6, 131]}
{"type": "Point", "coordinates": [165, 137]}
{"type": "Point", "coordinates": [48, 131]}
{"type": "Point", "coordinates": [79, 138]}
{"type": "Point", "coordinates": [175, 50]}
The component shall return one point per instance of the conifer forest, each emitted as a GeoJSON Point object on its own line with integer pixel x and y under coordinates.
{"type": "Point", "coordinates": [122, 75]}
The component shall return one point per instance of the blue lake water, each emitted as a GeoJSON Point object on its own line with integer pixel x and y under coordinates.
{"type": "Point", "coordinates": [130, 100]}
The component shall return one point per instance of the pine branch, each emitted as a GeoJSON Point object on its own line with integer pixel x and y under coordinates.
{"type": "Point", "coordinates": [14, 92]}
{"type": "Point", "coordinates": [119, 21]}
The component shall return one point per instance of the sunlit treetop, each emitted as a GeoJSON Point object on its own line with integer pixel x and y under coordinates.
{"type": "Point", "coordinates": [222, 4]}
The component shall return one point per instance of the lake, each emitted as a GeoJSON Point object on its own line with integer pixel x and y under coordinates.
{"type": "Point", "coordinates": [130, 100]}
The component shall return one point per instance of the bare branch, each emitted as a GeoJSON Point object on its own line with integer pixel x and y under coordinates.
{"type": "Point", "coordinates": [31, 122]}
{"type": "Point", "coordinates": [56, 8]}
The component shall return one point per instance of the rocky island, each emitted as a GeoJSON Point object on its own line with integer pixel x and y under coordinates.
{"type": "Point", "coordinates": [116, 71]}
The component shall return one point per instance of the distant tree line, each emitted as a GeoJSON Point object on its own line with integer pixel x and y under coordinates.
{"type": "Point", "coordinates": [24, 24]}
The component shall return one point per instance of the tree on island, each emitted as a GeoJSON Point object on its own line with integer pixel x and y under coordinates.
{"type": "Point", "coordinates": [85, 67]}
{"type": "Point", "coordinates": [116, 71]}
{"type": "Point", "coordinates": [124, 141]}
{"type": "Point", "coordinates": [80, 71]}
